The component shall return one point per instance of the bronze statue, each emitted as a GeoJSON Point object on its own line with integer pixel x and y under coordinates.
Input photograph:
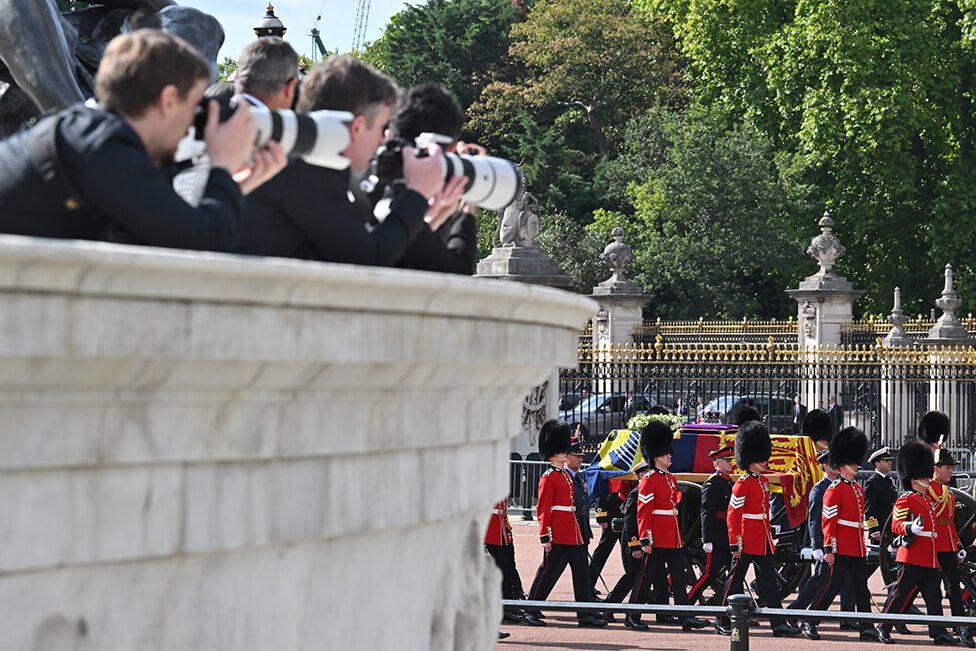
{"type": "Point", "coordinates": [49, 58]}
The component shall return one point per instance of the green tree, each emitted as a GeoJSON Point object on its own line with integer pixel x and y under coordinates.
{"type": "Point", "coordinates": [872, 101]}
{"type": "Point", "coordinates": [710, 223]}
{"type": "Point", "coordinates": [594, 63]}
{"type": "Point", "coordinates": [458, 44]}
{"type": "Point", "coordinates": [226, 68]}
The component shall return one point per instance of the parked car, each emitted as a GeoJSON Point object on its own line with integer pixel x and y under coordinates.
{"type": "Point", "coordinates": [776, 410]}
{"type": "Point", "coordinates": [600, 414]}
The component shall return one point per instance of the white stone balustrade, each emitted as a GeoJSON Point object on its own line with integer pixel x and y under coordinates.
{"type": "Point", "coordinates": [201, 451]}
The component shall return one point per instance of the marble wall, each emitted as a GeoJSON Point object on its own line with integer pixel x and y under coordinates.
{"type": "Point", "coordinates": [201, 451]}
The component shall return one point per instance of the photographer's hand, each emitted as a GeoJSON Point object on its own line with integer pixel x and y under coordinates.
{"type": "Point", "coordinates": [425, 176]}
{"type": "Point", "coordinates": [229, 143]}
{"type": "Point", "coordinates": [267, 161]}
{"type": "Point", "coordinates": [445, 203]}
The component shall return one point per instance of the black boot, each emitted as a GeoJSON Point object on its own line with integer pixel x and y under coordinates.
{"type": "Point", "coordinates": [883, 636]}
{"type": "Point", "coordinates": [966, 637]}
{"type": "Point", "coordinates": [634, 622]}
{"type": "Point", "coordinates": [809, 631]}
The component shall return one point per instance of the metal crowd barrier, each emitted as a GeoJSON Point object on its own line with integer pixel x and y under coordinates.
{"type": "Point", "coordinates": [739, 611]}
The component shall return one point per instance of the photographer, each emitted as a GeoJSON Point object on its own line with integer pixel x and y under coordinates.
{"type": "Point", "coordinates": [306, 211]}
{"type": "Point", "coordinates": [451, 244]}
{"type": "Point", "coordinates": [267, 76]}
{"type": "Point", "coordinates": [98, 173]}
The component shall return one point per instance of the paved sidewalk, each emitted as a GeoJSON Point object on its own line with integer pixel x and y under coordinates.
{"type": "Point", "coordinates": [562, 632]}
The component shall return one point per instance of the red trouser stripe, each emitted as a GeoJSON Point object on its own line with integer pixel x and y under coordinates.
{"type": "Point", "coordinates": [701, 581]}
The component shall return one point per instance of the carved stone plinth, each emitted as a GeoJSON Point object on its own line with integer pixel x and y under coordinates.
{"type": "Point", "coordinates": [824, 300]}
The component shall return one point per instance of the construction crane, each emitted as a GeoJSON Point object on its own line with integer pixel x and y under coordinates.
{"type": "Point", "coordinates": [317, 43]}
{"type": "Point", "coordinates": [359, 32]}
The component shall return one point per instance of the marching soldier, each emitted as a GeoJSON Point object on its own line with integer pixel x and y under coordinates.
{"type": "Point", "coordinates": [608, 508]}
{"type": "Point", "coordinates": [501, 547]}
{"type": "Point", "coordinates": [559, 530]}
{"type": "Point", "coordinates": [948, 548]}
{"type": "Point", "coordinates": [630, 547]}
{"type": "Point", "coordinates": [716, 493]}
{"type": "Point", "coordinates": [657, 524]}
{"type": "Point", "coordinates": [750, 535]}
{"type": "Point", "coordinates": [843, 531]}
{"type": "Point", "coordinates": [879, 499]}
{"type": "Point", "coordinates": [879, 495]}
{"type": "Point", "coordinates": [813, 587]}
{"type": "Point", "coordinates": [818, 427]}
{"type": "Point", "coordinates": [914, 520]}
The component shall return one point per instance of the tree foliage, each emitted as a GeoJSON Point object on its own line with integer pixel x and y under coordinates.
{"type": "Point", "coordinates": [458, 44]}
{"type": "Point", "coordinates": [593, 63]}
{"type": "Point", "coordinates": [710, 221]}
{"type": "Point", "coordinates": [873, 99]}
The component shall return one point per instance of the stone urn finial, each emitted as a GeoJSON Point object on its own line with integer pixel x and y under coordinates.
{"type": "Point", "coordinates": [826, 248]}
{"type": "Point", "coordinates": [948, 329]}
{"type": "Point", "coordinates": [618, 255]}
{"type": "Point", "coordinates": [897, 336]}
{"type": "Point", "coordinates": [948, 302]}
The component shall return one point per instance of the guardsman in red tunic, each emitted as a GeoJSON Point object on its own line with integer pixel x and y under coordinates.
{"type": "Point", "coordinates": [948, 547]}
{"type": "Point", "coordinates": [559, 531]}
{"type": "Point", "coordinates": [716, 493]}
{"type": "Point", "coordinates": [750, 535]}
{"type": "Point", "coordinates": [913, 519]}
{"type": "Point", "coordinates": [501, 547]}
{"type": "Point", "coordinates": [657, 524]}
{"type": "Point", "coordinates": [843, 531]}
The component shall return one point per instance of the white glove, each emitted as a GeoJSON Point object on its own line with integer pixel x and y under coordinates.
{"type": "Point", "coordinates": [818, 555]}
{"type": "Point", "coordinates": [961, 555]}
{"type": "Point", "coordinates": [776, 529]}
{"type": "Point", "coordinates": [917, 524]}
{"type": "Point", "coordinates": [806, 554]}
{"type": "Point", "coordinates": [707, 547]}
{"type": "Point", "coordinates": [892, 549]}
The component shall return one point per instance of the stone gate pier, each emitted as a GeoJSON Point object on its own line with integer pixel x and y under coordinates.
{"type": "Point", "coordinates": [200, 451]}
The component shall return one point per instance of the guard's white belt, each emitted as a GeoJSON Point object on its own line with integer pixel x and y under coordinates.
{"type": "Point", "coordinates": [754, 516]}
{"type": "Point", "coordinates": [850, 523]}
{"type": "Point", "coordinates": [926, 534]}
{"type": "Point", "coordinates": [664, 512]}
{"type": "Point", "coordinates": [496, 512]}
{"type": "Point", "coordinates": [564, 508]}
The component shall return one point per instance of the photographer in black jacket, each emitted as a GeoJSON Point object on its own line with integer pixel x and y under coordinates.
{"type": "Point", "coordinates": [98, 173]}
{"type": "Point", "coordinates": [306, 211]}
{"type": "Point", "coordinates": [452, 246]}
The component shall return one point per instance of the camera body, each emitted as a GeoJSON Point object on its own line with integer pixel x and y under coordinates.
{"type": "Point", "coordinates": [493, 183]}
{"type": "Point", "coordinates": [318, 137]}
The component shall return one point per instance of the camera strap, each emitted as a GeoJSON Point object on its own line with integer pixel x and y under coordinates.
{"type": "Point", "coordinates": [47, 163]}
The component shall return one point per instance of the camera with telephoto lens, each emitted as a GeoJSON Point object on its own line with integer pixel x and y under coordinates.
{"type": "Point", "coordinates": [317, 137]}
{"type": "Point", "coordinates": [493, 183]}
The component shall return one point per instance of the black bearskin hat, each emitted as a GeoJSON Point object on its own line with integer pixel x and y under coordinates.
{"type": "Point", "coordinates": [933, 426]}
{"type": "Point", "coordinates": [752, 445]}
{"type": "Point", "coordinates": [657, 439]}
{"type": "Point", "coordinates": [742, 413]}
{"type": "Point", "coordinates": [848, 447]}
{"type": "Point", "coordinates": [817, 426]}
{"type": "Point", "coordinates": [555, 437]}
{"type": "Point", "coordinates": [915, 461]}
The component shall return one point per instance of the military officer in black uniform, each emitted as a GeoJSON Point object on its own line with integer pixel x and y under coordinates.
{"type": "Point", "coordinates": [609, 508]}
{"type": "Point", "coordinates": [630, 547]}
{"type": "Point", "coordinates": [716, 493]}
{"type": "Point", "coordinates": [879, 496]}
